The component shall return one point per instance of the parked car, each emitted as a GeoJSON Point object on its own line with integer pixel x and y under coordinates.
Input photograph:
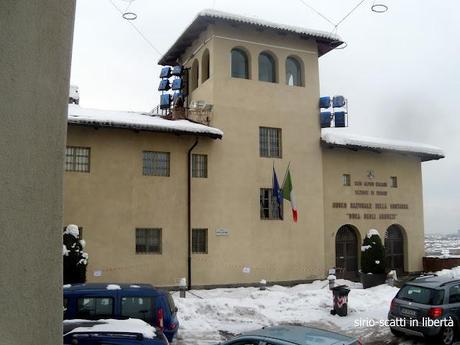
{"type": "Point", "coordinates": [291, 335]}
{"type": "Point", "coordinates": [96, 301]}
{"type": "Point", "coordinates": [113, 332]}
{"type": "Point", "coordinates": [427, 306]}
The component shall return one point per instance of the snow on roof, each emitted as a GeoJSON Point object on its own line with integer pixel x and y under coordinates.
{"type": "Point", "coordinates": [111, 325]}
{"type": "Point", "coordinates": [358, 142]}
{"type": "Point", "coordinates": [259, 22]}
{"type": "Point", "coordinates": [199, 23]}
{"type": "Point", "coordinates": [113, 287]}
{"type": "Point", "coordinates": [137, 120]}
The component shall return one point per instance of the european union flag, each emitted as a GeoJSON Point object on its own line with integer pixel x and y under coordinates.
{"type": "Point", "coordinates": [276, 189]}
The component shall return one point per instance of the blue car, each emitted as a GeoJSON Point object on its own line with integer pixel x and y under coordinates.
{"type": "Point", "coordinates": [113, 332]}
{"type": "Point", "coordinates": [97, 301]}
{"type": "Point", "coordinates": [291, 335]}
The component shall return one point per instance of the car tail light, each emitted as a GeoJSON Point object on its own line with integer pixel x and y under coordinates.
{"type": "Point", "coordinates": [160, 318]}
{"type": "Point", "coordinates": [393, 306]}
{"type": "Point", "coordinates": [435, 312]}
{"type": "Point", "coordinates": [172, 325]}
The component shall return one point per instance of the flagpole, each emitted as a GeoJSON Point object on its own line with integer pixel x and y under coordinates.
{"type": "Point", "coordinates": [285, 174]}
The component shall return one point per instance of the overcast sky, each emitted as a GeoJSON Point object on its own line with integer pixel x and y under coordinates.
{"type": "Point", "coordinates": [400, 71]}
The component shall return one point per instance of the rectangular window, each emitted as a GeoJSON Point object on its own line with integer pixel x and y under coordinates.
{"type": "Point", "coordinates": [269, 208]}
{"type": "Point", "coordinates": [156, 163]}
{"type": "Point", "coordinates": [346, 179]}
{"type": "Point", "coordinates": [199, 165]}
{"type": "Point", "coordinates": [394, 182]}
{"type": "Point", "coordinates": [270, 142]}
{"type": "Point", "coordinates": [148, 241]}
{"type": "Point", "coordinates": [77, 158]}
{"type": "Point", "coordinates": [200, 241]}
{"type": "Point", "coordinates": [137, 308]}
{"type": "Point", "coordinates": [94, 308]}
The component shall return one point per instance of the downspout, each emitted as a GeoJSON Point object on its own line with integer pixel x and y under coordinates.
{"type": "Point", "coordinates": [189, 211]}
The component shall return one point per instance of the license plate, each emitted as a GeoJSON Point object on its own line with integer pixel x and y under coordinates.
{"type": "Point", "coordinates": [408, 312]}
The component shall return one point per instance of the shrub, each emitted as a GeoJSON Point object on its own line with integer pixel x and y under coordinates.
{"type": "Point", "coordinates": [75, 258]}
{"type": "Point", "coordinates": [372, 254]}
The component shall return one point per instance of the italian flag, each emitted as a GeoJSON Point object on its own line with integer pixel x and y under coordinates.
{"type": "Point", "coordinates": [288, 194]}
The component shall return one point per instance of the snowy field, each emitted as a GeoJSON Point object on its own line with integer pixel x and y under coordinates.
{"type": "Point", "coordinates": [210, 316]}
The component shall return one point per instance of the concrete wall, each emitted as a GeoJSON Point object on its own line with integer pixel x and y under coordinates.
{"type": "Point", "coordinates": [407, 169]}
{"type": "Point", "coordinates": [35, 39]}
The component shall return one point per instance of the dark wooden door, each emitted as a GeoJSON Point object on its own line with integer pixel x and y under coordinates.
{"type": "Point", "coordinates": [394, 249]}
{"type": "Point", "coordinates": [346, 253]}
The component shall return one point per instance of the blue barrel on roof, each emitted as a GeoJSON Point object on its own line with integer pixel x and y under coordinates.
{"type": "Point", "coordinates": [325, 118]}
{"type": "Point", "coordinates": [338, 101]}
{"type": "Point", "coordinates": [340, 118]}
{"type": "Point", "coordinates": [325, 102]}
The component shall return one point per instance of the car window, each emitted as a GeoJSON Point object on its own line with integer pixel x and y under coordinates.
{"type": "Point", "coordinates": [172, 305]}
{"type": "Point", "coordinates": [420, 294]}
{"type": "Point", "coordinates": [137, 308]}
{"type": "Point", "coordinates": [454, 294]}
{"type": "Point", "coordinates": [94, 307]}
{"type": "Point", "coordinates": [66, 302]}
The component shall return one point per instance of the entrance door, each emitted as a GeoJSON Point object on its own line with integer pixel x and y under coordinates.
{"type": "Point", "coordinates": [346, 252]}
{"type": "Point", "coordinates": [394, 249]}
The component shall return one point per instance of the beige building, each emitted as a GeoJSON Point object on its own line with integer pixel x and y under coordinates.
{"type": "Point", "coordinates": [149, 216]}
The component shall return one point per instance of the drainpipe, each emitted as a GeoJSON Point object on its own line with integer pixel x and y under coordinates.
{"type": "Point", "coordinates": [189, 214]}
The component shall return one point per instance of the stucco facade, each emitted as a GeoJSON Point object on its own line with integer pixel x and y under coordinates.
{"type": "Point", "coordinates": [114, 198]}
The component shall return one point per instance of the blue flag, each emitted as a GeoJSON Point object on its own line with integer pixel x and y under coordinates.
{"type": "Point", "coordinates": [276, 189]}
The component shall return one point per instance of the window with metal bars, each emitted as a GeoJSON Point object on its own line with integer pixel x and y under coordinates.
{"type": "Point", "coordinates": [270, 142]}
{"type": "Point", "coordinates": [77, 158]}
{"type": "Point", "coordinates": [156, 163]}
{"type": "Point", "coordinates": [269, 207]}
{"type": "Point", "coordinates": [199, 165]}
{"type": "Point", "coordinates": [346, 180]}
{"type": "Point", "coordinates": [200, 241]}
{"type": "Point", "coordinates": [394, 181]}
{"type": "Point", "coordinates": [148, 241]}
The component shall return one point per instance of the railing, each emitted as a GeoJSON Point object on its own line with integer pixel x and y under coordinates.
{"type": "Point", "coordinates": [201, 115]}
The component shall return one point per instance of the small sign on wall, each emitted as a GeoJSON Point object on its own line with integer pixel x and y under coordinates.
{"type": "Point", "coordinates": [246, 269]}
{"type": "Point", "coordinates": [222, 232]}
{"type": "Point", "coordinates": [97, 273]}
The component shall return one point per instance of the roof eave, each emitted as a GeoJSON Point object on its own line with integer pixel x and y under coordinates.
{"type": "Point", "coordinates": [424, 157]}
{"type": "Point", "coordinates": [96, 125]}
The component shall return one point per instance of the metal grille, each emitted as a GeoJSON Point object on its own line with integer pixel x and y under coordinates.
{"type": "Point", "coordinates": [148, 241]}
{"type": "Point", "coordinates": [394, 181]}
{"type": "Point", "coordinates": [346, 252]}
{"type": "Point", "coordinates": [77, 158]}
{"type": "Point", "coordinates": [200, 241]}
{"type": "Point", "coordinates": [156, 163]}
{"type": "Point", "coordinates": [270, 142]}
{"type": "Point", "coordinates": [269, 208]}
{"type": "Point", "coordinates": [394, 248]}
{"type": "Point", "coordinates": [199, 165]}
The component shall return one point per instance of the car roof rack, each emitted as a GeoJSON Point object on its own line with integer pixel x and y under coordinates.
{"type": "Point", "coordinates": [423, 276]}
{"type": "Point", "coordinates": [132, 335]}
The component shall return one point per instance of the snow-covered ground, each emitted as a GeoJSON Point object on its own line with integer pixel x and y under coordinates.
{"type": "Point", "coordinates": [210, 316]}
{"type": "Point", "coordinates": [442, 245]}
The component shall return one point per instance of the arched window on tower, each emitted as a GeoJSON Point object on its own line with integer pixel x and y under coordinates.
{"type": "Point", "coordinates": [240, 64]}
{"type": "Point", "coordinates": [267, 67]}
{"type": "Point", "coordinates": [194, 75]}
{"type": "Point", "coordinates": [205, 66]}
{"type": "Point", "coordinates": [293, 72]}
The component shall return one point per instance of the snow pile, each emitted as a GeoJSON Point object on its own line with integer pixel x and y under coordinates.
{"type": "Point", "coordinates": [136, 120]}
{"type": "Point", "coordinates": [345, 139]}
{"type": "Point", "coordinates": [372, 232]}
{"type": "Point", "coordinates": [110, 325]}
{"type": "Point", "coordinates": [113, 287]}
{"type": "Point", "coordinates": [72, 229]}
{"type": "Point", "coordinates": [453, 273]}
{"type": "Point", "coordinates": [237, 310]}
